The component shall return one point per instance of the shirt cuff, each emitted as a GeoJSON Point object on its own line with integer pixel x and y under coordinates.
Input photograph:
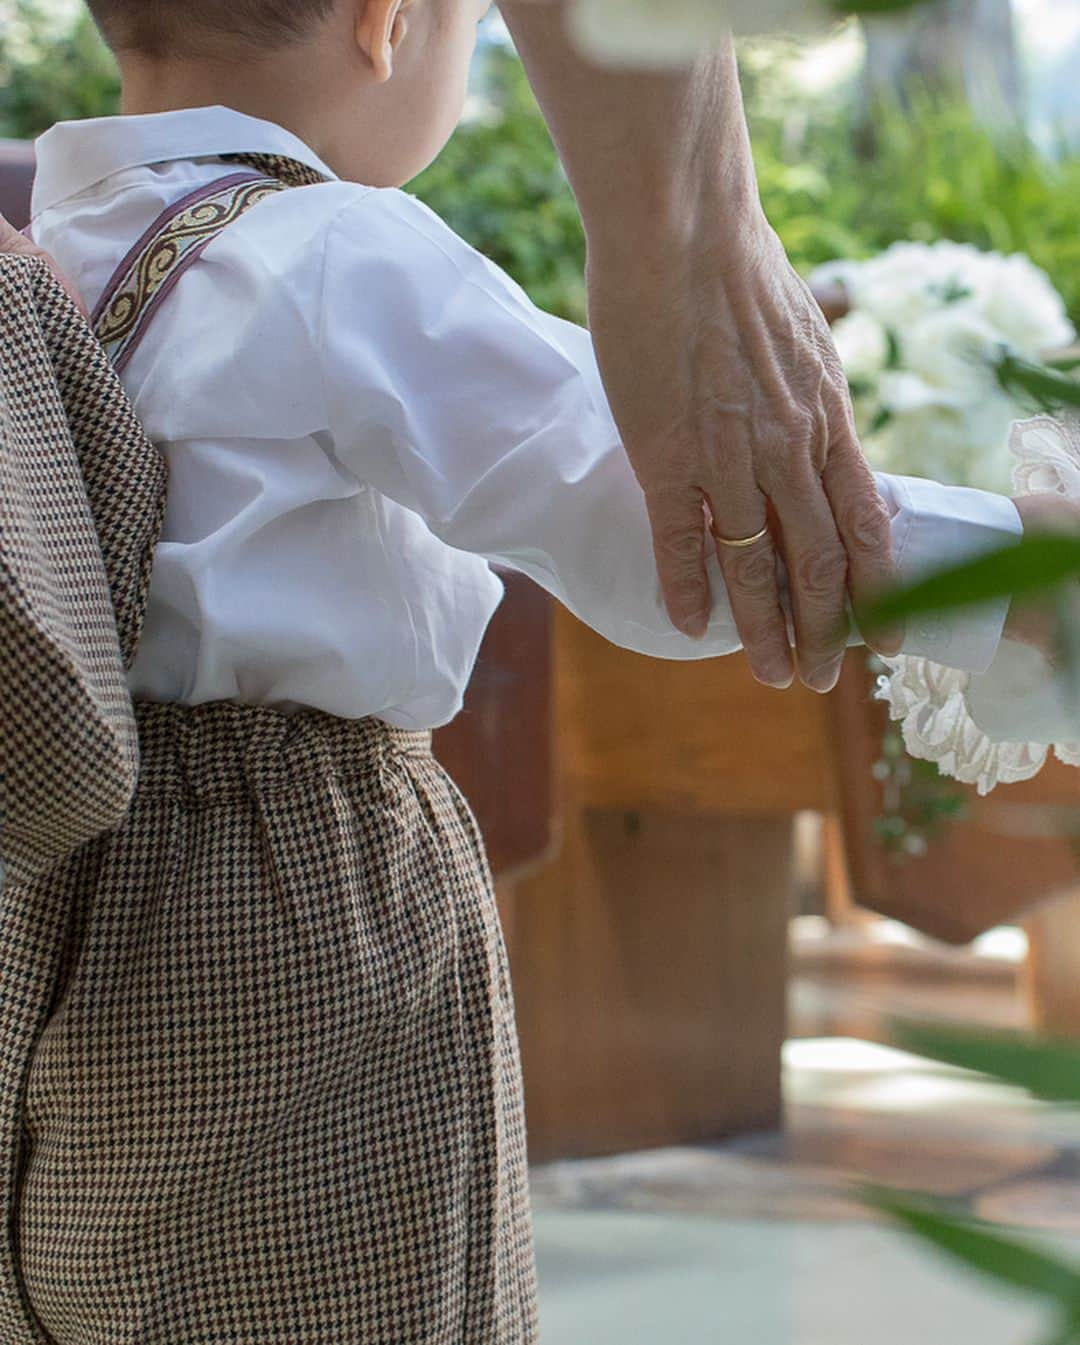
{"type": "Point", "coordinates": [934, 528]}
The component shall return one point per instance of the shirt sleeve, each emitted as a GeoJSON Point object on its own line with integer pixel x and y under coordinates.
{"type": "Point", "coordinates": [448, 391]}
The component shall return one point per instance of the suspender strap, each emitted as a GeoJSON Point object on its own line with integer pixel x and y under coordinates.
{"type": "Point", "coordinates": [176, 240]}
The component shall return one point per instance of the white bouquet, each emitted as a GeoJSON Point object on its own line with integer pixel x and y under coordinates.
{"type": "Point", "coordinates": [922, 346]}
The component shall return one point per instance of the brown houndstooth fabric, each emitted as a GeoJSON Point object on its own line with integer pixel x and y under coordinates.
{"type": "Point", "coordinates": [260, 1071]}
{"type": "Point", "coordinates": [289, 171]}
{"type": "Point", "coordinates": [72, 458]}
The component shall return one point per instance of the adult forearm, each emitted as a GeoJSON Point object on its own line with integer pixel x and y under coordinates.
{"type": "Point", "coordinates": [649, 154]}
{"type": "Point", "coordinates": [727, 390]}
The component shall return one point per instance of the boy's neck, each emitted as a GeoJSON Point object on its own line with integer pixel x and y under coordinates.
{"type": "Point", "coordinates": [279, 95]}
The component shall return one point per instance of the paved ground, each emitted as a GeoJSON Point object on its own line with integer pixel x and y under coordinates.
{"type": "Point", "coordinates": [762, 1241]}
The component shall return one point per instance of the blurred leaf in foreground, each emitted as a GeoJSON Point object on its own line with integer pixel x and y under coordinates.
{"type": "Point", "coordinates": [1037, 563]}
{"type": "Point", "coordinates": [1046, 1067]}
{"type": "Point", "coordinates": [1006, 1260]}
{"type": "Point", "coordinates": [1045, 385]}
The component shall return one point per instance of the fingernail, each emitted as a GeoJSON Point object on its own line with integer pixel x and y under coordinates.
{"type": "Point", "coordinates": [779, 675]}
{"type": "Point", "coordinates": [823, 679]}
{"type": "Point", "coordinates": [696, 626]}
{"type": "Point", "coordinates": [890, 640]}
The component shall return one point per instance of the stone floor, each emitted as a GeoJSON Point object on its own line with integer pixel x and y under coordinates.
{"type": "Point", "coordinates": [762, 1240]}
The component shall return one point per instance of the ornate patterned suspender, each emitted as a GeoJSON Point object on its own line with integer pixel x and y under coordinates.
{"type": "Point", "coordinates": [176, 240]}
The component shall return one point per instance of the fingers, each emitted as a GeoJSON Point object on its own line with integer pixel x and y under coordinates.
{"type": "Point", "coordinates": [817, 574]}
{"type": "Point", "coordinates": [862, 521]}
{"type": "Point", "coordinates": [678, 530]}
{"type": "Point", "coordinates": [750, 576]}
{"type": "Point", "coordinates": [12, 241]}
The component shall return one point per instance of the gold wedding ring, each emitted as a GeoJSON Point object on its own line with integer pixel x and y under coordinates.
{"type": "Point", "coordinates": [741, 541]}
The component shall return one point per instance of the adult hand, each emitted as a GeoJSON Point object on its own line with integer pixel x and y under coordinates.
{"type": "Point", "coordinates": [729, 394]}
{"type": "Point", "coordinates": [716, 359]}
{"type": "Point", "coordinates": [12, 241]}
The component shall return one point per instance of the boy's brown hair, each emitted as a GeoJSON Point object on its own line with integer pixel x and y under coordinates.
{"type": "Point", "coordinates": [182, 28]}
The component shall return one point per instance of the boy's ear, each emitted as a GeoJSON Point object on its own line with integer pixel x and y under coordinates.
{"type": "Point", "coordinates": [380, 28]}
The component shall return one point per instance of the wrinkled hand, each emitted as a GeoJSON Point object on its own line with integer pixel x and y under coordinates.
{"type": "Point", "coordinates": [731, 400]}
{"type": "Point", "coordinates": [11, 240]}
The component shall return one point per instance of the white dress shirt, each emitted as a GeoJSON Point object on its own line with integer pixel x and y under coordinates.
{"type": "Point", "coordinates": [359, 412]}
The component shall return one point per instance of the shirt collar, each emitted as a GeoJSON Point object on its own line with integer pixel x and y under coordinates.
{"type": "Point", "coordinates": [75, 155]}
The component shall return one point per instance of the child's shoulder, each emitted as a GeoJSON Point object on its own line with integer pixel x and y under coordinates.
{"type": "Point", "coordinates": [387, 218]}
{"type": "Point", "coordinates": [340, 226]}
{"type": "Point", "coordinates": [389, 230]}
{"type": "Point", "coordinates": [329, 243]}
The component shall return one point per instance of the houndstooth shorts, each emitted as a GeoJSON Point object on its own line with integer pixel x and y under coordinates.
{"type": "Point", "coordinates": [276, 1098]}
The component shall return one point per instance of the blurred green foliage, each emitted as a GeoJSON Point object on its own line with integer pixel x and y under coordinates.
{"type": "Point", "coordinates": [500, 185]}
{"type": "Point", "coordinates": [51, 70]}
{"type": "Point", "coordinates": [935, 173]}
{"type": "Point", "coordinates": [1049, 1068]}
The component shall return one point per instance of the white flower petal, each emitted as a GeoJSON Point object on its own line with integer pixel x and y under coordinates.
{"type": "Point", "coordinates": [862, 344]}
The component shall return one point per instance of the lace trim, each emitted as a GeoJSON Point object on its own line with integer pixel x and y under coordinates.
{"type": "Point", "coordinates": [929, 699]}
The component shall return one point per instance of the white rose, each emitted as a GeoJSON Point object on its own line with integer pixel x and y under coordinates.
{"type": "Point", "coordinates": [990, 420]}
{"type": "Point", "coordinates": [1017, 297]}
{"type": "Point", "coordinates": [953, 349]}
{"type": "Point", "coordinates": [933, 441]}
{"type": "Point", "coordinates": [929, 441]}
{"type": "Point", "coordinates": [896, 287]}
{"type": "Point", "coordinates": [863, 345]}
{"type": "Point", "coordinates": [961, 445]}
{"type": "Point", "coordinates": [908, 280]}
{"type": "Point", "coordinates": [902, 391]}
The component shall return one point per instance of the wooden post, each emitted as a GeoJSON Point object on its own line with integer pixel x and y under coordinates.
{"type": "Point", "coordinates": [1052, 972]}
{"type": "Point", "coordinates": [649, 957]}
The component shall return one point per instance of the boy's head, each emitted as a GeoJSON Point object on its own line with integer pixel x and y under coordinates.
{"type": "Point", "coordinates": [195, 28]}
{"type": "Point", "coordinates": [374, 86]}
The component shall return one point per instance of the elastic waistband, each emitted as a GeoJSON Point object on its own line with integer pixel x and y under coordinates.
{"type": "Point", "coordinates": [224, 747]}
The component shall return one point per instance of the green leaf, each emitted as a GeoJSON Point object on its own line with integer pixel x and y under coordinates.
{"type": "Point", "coordinates": [1050, 390]}
{"type": "Point", "coordinates": [975, 1243]}
{"type": "Point", "coordinates": [846, 7]}
{"type": "Point", "coordinates": [1035, 564]}
{"type": "Point", "coordinates": [1067, 1334]}
{"type": "Point", "coordinates": [1048, 1068]}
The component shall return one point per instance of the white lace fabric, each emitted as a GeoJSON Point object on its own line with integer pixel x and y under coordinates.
{"type": "Point", "coordinates": [1000, 726]}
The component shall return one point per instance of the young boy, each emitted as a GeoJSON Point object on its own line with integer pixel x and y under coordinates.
{"type": "Point", "coordinates": [278, 1097]}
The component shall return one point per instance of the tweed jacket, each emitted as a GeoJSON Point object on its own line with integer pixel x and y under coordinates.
{"type": "Point", "coordinates": [78, 477]}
